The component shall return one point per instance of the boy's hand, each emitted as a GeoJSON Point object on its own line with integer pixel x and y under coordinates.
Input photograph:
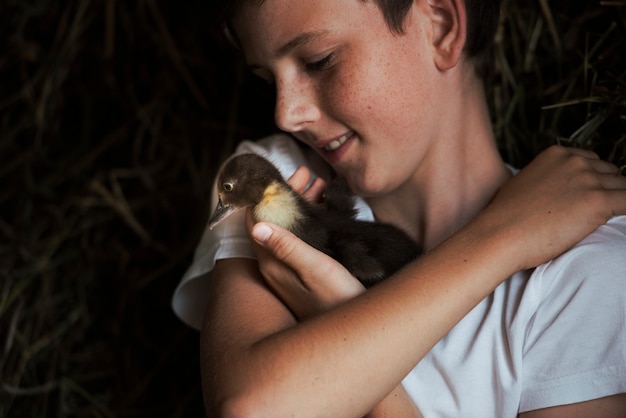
{"type": "Point", "coordinates": [559, 198]}
{"type": "Point", "coordinates": [307, 280]}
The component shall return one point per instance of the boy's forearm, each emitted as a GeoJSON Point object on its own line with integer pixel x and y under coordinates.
{"type": "Point", "coordinates": [355, 353]}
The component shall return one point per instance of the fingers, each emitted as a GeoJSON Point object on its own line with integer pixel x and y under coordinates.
{"type": "Point", "coordinates": [583, 152]}
{"type": "Point", "coordinates": [290, 250]}
{"type": "Point", "coordinates": [282, 244]}
{"type": "Point", "coordinates": [590, 157]}
{"type": "Point", "coordinates": [617, 182]}
{"type": "Point", "coordinates": [604, 167]}
{"type": "Point", "coordinates": [576, 165]}
{"type": "Point", "coordinates": [594, 161]}
{"type": "Point", "coordinates": [316, 191]}
{"type": "Point", "coordinates": [299, 181]}
{"type": "Point", "coordinates": [616, 202]}
{"type": "Point", "coordinates": [607, 174]}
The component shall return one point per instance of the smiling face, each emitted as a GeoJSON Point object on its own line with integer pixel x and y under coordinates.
{"type": "Point", "coordinates": [367, 99]}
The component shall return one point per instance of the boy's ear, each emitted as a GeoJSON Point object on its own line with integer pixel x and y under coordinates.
{"type": "Point", "coordinates": [449, 24]}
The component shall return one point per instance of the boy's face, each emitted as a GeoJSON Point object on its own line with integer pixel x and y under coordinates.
{"type": "Point", "coordinates": [362, 96]}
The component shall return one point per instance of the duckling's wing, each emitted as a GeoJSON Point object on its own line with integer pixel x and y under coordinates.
{"type": "Point", "coordinates": [339, 199]}
{"type": "Point", "coordinates": [371, 251]}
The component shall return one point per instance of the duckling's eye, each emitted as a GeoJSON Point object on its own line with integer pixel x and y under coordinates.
{"type": "Point", "coordinates": [228, 187]}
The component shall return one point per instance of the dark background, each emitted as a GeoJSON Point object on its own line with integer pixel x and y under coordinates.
{"type": "Point", "coordinates": [113, 118]}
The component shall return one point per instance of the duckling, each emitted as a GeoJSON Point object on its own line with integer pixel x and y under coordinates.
{"type": "Point", "coordinates": [371, 251]}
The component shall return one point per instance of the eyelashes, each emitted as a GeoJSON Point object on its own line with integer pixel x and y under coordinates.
{"type": "Point", "coordinates": [309, 67]}
{"type": "Point", "coordinates": [319, 65]}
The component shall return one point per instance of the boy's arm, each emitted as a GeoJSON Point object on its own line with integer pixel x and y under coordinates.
{"type": "Point", "coordinates": [241, 311]}
{"type": "Point", "coordinates": [229, 322]}
{"type": "Point", "coordinates": [396, 404]}
{"type": "Point", "coordinates": [258, 360]}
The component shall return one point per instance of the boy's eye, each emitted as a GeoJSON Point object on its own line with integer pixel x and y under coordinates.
{"type": "Point", "coordinates": [319, 65]}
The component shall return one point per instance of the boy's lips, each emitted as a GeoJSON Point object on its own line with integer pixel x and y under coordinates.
{"type": "Point", "coordinates": [334, 150]}
{"type": "Point", "coordinates": [336, 143]}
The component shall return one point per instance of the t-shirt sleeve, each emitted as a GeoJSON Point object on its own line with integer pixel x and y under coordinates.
{"type": "Point", "coordinates": [575, 347]}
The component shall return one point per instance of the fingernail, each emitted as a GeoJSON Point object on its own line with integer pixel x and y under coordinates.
{"type": "Point", "coordinates": [261, 233]}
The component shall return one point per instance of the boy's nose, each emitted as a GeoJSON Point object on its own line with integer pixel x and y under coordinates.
{"type": "Point", "coordinates": [296, 106]}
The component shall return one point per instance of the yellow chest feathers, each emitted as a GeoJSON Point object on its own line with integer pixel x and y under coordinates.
{"type": "Point", "coordinates": [278, 206]}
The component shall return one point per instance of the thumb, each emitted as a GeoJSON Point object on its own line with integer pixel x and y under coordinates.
{"type": "Point", "coordinates": [317, 271]}
{"type": "Point", "coordinates": [284, 245]}
{"type": "Point", "coordinates": [278, 241]}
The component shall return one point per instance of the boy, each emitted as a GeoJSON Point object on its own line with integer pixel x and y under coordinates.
{"type": "Point", "coordinates": [388, 94]}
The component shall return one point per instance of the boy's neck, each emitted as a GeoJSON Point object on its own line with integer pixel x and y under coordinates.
{"type": "Point", "coordinates": [460, 176]}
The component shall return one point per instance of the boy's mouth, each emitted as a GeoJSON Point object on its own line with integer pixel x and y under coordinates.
{"type": "Point", "coordinates": [333, 145]}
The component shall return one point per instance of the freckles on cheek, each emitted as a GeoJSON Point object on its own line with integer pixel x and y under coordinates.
{"type": "Point", "coordinates": [385, 93]}
{"type": "Point", "coordinates": [348, 96]}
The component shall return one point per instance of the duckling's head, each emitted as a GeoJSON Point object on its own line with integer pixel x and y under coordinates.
{"type": "Point", "coordinates": [241, 183]}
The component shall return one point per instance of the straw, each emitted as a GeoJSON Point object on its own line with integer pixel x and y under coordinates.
{"type": "Point", "coordinates": [114, 117]}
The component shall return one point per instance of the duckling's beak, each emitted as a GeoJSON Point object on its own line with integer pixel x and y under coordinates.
{"type": "Point", "coordinates": [220, 213]}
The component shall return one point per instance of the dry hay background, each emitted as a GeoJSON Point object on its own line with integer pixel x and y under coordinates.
{"type": "Point", "coordinates": [114, 116]}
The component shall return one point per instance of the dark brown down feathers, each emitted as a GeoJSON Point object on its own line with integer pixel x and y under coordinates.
{"type": "Point", "coordinates": [371, 251]}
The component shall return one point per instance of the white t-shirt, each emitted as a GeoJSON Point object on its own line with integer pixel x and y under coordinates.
{"type": "Point", "coordinates": [551, 336]}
